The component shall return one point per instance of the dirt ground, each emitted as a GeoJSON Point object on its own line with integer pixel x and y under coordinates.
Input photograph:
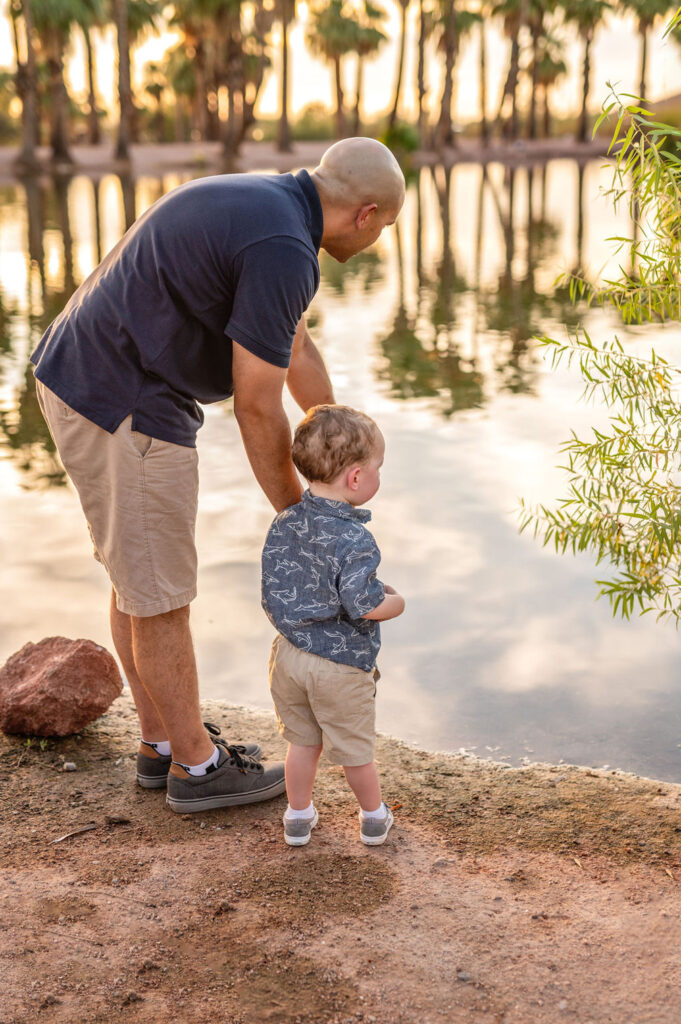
{"type": "Point", "coordinates": [502, 896]}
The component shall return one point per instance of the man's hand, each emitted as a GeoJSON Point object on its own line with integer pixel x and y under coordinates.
{"type": "Point", "coordinates": [307, 378]}
{"type": "Point", "coordinates": [264, 426]}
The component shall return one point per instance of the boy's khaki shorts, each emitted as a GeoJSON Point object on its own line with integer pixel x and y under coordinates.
{"type": "Point", "coordinates": [139, 496]}
{"type": "Point", "coordinates": [319, 702]}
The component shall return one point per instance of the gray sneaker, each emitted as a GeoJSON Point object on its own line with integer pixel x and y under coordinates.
{"type": "Point", "coordinates": [374, 831]}
{"type": "Point", "coordinates": [297, 831]}
{"type": "Point", "coordinates": [153, 768]}
{"type": "Point", "coordinates": [235, 779]}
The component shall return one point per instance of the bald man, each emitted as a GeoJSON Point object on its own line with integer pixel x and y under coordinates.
{"type": "Point", "coordinates": [203, 298]}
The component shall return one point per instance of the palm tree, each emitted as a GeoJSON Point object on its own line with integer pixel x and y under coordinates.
{"type": "Point", "coordinates": [404, 4]}
{"type": "Point", "coordinates": [646, 13]}
{"type": "Point", "coordinates": [124, 136]}
{"type": "Point", "coordinates": [53, 23]}
{"type": "Point", "coordinates": [92, 17]}
{"type": "Point", "coordinates": [548, 67]}
{"type": "Point", "coordinates": [331, 34]}
{"type": "Point", "coordinates": [426, 25]}
{"type": "Point", "coordinates": [26, 86]}
{"type": "Point", "coordinates": [536, 14]}
{"type": "Point", "coordinates": [451, 27]}
{"type": "Point", "coordinates": [514, 14]}
{"type": "Point", "coordinates": [587, 15]}
{"type": "Point", "coordinates": [287, 13]}
{"type": "Point", "coordinates": [482, 75]}
{"type": "Point", "coordinates": [131, 18]}
{"type": "Point", "coordinates": [368, 40]}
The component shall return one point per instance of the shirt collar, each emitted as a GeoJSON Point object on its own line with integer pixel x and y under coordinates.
{"type": "Point", "coordinates": [315, 221]}
{"type": "Point", "coordinates": [339, 509]}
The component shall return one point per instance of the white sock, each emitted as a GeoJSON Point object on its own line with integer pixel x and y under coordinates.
{"type": "Point", "coordinates": [307, 812]}
{"type": "Point", "coordinates": [379, 813]}
{"type": "Point", "coordinates": [160, 746]}
{"type": "Point", "coordinates": [201, 769]}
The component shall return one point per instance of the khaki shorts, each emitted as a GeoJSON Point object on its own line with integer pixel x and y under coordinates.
{"type": "Point", "coordinates": [321, 703]}
{"type": "Point", "coordinates": [139, 496]}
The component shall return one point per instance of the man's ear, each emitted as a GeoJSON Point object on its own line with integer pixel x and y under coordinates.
{"type": "Point", "coordinates": [364, 215]}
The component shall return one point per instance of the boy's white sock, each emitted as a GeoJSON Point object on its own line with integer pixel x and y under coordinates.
{"type": "Point", "coordinates": [160, 746]}
{"type": "Point", "coordinates": [307, 812]}
{"type": "Point", "coordinates": [202, 769]}
{"type": "Point", "coordinates": [378, 813]}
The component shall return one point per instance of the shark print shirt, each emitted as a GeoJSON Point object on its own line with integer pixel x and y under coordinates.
{"type": "Point", "coordinates": [319, 578]}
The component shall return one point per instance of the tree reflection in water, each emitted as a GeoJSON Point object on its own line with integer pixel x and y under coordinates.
{"type": "Point", "coordinates": [460, 333]}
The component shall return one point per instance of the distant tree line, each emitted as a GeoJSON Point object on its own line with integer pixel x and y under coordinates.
{"type": "Point", "coordinates": [206, 86]}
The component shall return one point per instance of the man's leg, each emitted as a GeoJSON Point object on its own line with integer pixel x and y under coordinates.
{"type": "Point", "coordinates": [157, 654]}
{"type": "Point", "coordinates": [151, 723]}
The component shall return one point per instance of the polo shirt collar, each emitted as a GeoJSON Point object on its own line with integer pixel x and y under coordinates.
{"type": "Point", "coordinates": [315, 221]}
{"type": "Point", "coordinates": [331, 507]}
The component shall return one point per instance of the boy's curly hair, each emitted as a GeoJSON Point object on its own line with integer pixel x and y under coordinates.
{"type": "Point", "coordinates": [332, 438]}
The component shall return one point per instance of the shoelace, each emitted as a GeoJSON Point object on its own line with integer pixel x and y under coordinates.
{"type": "Point", "coordinates": [239, 759]}
{"type": "Point", "coordinates": [215, 731]}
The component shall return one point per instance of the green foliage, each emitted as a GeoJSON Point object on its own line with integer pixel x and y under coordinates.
{"type": "Point", "coordinates": [401, 138]}
{"type": "Point", "coordinates": [624, 482]}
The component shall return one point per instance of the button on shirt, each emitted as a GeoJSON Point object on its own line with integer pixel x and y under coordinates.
{"type": "Point", "coordinates": [319, 578]}
{"type": "Point", "coordinates": [226, 258]}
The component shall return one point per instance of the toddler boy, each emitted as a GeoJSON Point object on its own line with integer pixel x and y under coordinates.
{"type": "Point", "coordinates": [320, 591]}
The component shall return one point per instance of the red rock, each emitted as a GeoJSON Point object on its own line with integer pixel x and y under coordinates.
{"type": "Point", "coordinates": [56, 687]}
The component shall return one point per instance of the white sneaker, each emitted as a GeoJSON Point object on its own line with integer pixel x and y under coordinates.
{"type": "Point", "coordinates": [374, 831]}
{"type": "Point", "coordinates": [297, 831]}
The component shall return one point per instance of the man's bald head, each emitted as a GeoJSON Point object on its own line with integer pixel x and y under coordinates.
{"type": "Point", "coordinates": [361, 189]}
{"type": "Point", "coordinates": [354, 172]}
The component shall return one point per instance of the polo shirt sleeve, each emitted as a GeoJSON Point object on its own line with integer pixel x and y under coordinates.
{"type": "Point", "coordinates": [275, 281]}
{"type": "Point", "coordinates": [359, 589]}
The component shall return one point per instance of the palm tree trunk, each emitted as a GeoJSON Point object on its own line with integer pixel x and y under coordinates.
{"type": "Point", "coordinates": [356, 117]}
{"type": "Point", "coordinates": [421, 74]}
{"type": "Point", "coordinates": [93, 116]}
{"type": "Point", "coordinates": [443, 130]}
{"type": "Point", "coordinates": [484, 127]}
{"type": "Point", "coordinates": [26, 84]}
{"type": "Point", "coordinates": [400, 66]}
{"type": "Point", "coordinates": [583, 127]}
{"type": "Point", "coordinates": [122, 151]}
{"type": "Point", "coordinates": [643, 31]}
{"type": "Point", "coordinates": [547, 113]}
{"type": "Point", "coordinates": [59, 98]}
{"type": "Point", "coordinates": [340, 120]}
{"type": "Point", "coordinates": [284, 132]}
{"type": "Point", "coordinates": [201, 108]}
{"type": "Point", "coordinates": [532, 127]}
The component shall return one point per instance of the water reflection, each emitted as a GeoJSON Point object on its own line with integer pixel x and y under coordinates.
{"type": "Point", "coordinates": [447, 305]}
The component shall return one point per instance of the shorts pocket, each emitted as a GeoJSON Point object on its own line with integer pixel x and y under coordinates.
{"type": "Point", "coordinates": [142, 442]}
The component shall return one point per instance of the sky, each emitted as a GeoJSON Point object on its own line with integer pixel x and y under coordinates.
{"type": "Point", "coordinates": [616, 55]}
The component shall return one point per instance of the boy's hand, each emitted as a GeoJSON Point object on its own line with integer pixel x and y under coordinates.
{"type": "Point", "coordinates": [390, 607]}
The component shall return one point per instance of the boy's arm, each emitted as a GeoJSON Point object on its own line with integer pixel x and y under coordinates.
{"type": "Point", "coordinates": [362, 594]}
{"type": "Point", "coordinates": [390, 607]}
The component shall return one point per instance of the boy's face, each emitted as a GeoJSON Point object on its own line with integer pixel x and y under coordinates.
{"type": "Point", "coordinates": [366, 479]}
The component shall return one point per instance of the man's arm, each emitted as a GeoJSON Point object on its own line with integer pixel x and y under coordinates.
{"type": "Point", "coordinates": [307, 379]}
{"type": "Point", "coordinates": [264, 426]}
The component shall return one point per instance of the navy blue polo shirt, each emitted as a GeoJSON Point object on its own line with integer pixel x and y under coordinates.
{"type": "Point", "coordinates": [149, 332]}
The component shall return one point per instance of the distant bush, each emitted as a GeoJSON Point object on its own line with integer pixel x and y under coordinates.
{"type": "Point", "coordinates": [402, 138]}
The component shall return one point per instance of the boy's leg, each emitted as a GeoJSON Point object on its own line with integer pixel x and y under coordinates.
{"type": "Point", "coordinates": [364, 783]}
{"type": "Point", "coordinates": [301, 768]}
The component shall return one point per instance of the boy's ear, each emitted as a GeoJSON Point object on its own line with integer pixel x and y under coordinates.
{"type": "Point", "coordinates": [353, 477]}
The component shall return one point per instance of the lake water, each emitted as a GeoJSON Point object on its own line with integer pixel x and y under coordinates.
{"type": "Point", "coordinates": [503, 650]}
